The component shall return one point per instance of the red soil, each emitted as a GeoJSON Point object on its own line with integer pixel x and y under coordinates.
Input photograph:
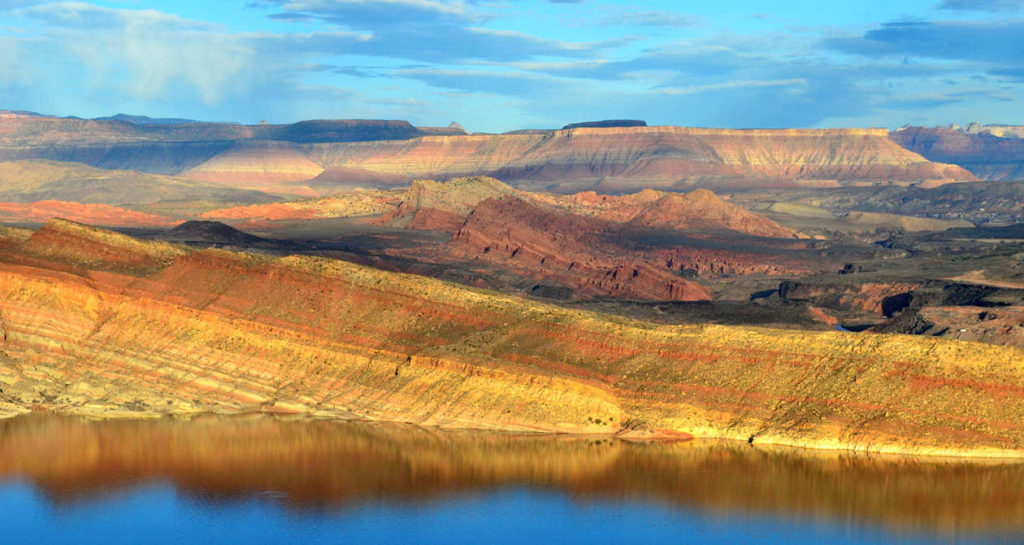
{"type": "Point", "coordinates": [95, 214]}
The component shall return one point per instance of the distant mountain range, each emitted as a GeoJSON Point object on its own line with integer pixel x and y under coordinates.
{"type": "Point", "coordinates": [319, 157]}
{"type": "Point", "coordinates": [145, 120]}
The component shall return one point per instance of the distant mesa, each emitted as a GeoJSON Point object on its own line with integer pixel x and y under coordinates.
{"type": "Point", "coordinates": [606, 124]}
{"type": "Point", "coordinates": [623, 156]}
{"type": "Point", "coordinates": [341, 130]}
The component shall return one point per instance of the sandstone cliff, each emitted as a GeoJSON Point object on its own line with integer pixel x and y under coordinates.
{"type": "Point", "coordinates": [175, 332]}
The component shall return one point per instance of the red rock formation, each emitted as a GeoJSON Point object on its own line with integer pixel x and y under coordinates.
{"type": "Point", "coordinates": [442, 206]}
{"type": "Point", "coordinates": [702, 210]}
{"type": "Point", "coordinates": [77, 245]}
{"type": "Point", "coordinates": [581, 241]}
{"type": "Point", "coordinates": [566, 249]}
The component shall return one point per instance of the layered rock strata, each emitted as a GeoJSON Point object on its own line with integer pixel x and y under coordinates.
{"type": "Point", "coordinates": [167, 331]}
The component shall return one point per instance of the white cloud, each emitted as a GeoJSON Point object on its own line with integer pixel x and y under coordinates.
{"type": "Point", "coordinates": [13, 69]}
{"type": "Point", "coordinates": [147, 54]}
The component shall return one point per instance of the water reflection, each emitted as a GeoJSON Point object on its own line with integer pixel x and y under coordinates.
{"type": "Point", "coordinates": [338, 465]}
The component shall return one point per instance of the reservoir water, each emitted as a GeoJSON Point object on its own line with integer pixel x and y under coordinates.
{"type": "Point", "coordinates": [260, 479]}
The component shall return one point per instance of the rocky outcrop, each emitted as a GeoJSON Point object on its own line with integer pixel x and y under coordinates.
{"type": "Point", "coordinates": [72, 244]}
{"type": "Point", "coordinates": [199, 232]}
{"type": "Point", "coordinates": [215, 331]}
{"type": "Point", "coordinates": [584, 242]}
{"type": "Point", "coordinates": [443, 206]}
{"type": "Point", "coordinates": [970, 311]}
{"type": "Point", "coordinates": [566, 249]}
{"type": "Point", "coordinates": [872, 297]}
{"type": "Point", "coordinates": [702, 210]}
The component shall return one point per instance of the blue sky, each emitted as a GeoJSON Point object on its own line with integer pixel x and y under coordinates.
{"type": "Point", "coordinates": [496, 65]}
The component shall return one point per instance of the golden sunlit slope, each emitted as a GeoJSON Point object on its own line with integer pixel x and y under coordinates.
{"type": "Point", "coordinates": [178, 333]}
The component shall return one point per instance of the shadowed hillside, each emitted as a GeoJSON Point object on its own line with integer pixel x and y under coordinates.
{"type": "Point", "coordinates": [31, 181]}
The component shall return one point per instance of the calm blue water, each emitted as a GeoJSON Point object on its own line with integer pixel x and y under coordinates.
{"type": "Point", "coordinates": [65, 481]}
{"type": "Point", "coordinates": [158, 514]}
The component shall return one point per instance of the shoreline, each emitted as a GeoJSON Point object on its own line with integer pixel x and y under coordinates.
{"type": "Point", "coordinates": [808, 449]}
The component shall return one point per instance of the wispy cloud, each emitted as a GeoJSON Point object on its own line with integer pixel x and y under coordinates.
{"type": "Point", "coordinates": [652, 18]}
{"type": "Point", "coordinates": [738, 84]}
{"type": "Point", "coordinates": [989, 41]}
{"type": "Point", "coordinates": [993, 6]}
{"type": "Point", "coordinates": [377, 13]}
